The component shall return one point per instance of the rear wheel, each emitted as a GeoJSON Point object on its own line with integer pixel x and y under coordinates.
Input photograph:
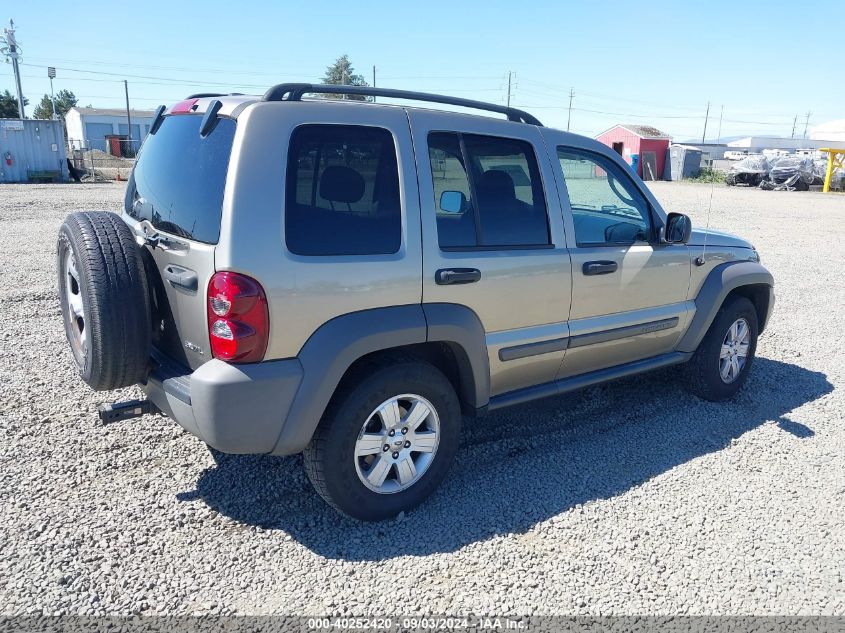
{"type": "Point", "coordinates": [720, 365]}
{"type": "Point", "coordinates": [103, 295]}
{"type": "Point", "coordinates": [386, 440]}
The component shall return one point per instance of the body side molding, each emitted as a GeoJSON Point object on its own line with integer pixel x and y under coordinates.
{"type": "Point", "coordinates": [603, 336]}
{"type": "Point", "coordinates": [533, 349]}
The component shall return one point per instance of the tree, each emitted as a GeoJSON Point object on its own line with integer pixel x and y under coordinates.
{"type": "Point", "coordinates": [9, 105]}
{"type": "Point", "coordinates": [65, 100]}
{"type": "Point", "coordinates": [341, 73]}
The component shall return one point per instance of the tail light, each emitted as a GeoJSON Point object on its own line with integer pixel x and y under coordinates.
{"type": "Point", "coordinates": [238, 319]}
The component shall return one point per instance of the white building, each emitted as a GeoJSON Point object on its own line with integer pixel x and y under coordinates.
{"type": "Point", "coordinates": [756, 144]}
{"type": "Point", "coordinates": [94, 128]}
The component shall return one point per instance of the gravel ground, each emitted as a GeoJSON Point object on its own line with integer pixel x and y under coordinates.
{"type": "Point", "coordinates": [627, 498]}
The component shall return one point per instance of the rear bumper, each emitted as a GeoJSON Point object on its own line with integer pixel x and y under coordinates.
{"type": "Point", "coordinates": [233, 408]}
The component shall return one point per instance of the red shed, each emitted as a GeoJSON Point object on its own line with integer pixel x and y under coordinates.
{"type": "Point", "coordinates": [647, 143]}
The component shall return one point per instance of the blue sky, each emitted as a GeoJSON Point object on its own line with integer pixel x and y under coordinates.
{"type": "Point", "coordinates": [657, 62]}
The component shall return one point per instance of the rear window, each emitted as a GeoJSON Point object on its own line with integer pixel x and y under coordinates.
{"type": "Point", "coordinates": [179, 178]}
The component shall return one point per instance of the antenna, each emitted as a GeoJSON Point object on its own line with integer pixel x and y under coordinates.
{"type": "Point", "coordinates": [699, 261]}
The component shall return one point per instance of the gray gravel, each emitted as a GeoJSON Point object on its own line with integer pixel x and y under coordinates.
{"type": "Point", "coordinates": [626, 498]}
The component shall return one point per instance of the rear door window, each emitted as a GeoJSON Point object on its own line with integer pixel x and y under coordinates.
{"type": "Point", "coordinates": [179, 178]}
{"type": "Point", "coordinates": [488, 192]}
{"type": "Point", "coordinates": [342, 191]}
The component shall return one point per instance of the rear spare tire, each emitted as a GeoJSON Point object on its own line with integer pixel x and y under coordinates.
{"type": "Point", "coordinates": [103, 294]}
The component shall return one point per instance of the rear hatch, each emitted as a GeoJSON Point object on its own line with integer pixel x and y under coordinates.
{"type": "Point", "coordinates": [174, 201]}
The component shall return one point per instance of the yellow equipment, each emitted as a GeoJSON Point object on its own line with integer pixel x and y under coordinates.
{"type": "Point", "coordinates": [835, 160]}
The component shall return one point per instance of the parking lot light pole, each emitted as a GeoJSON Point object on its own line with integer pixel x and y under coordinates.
{"type": "Point", "coordinates": [51, 73]}
{"type": "Point", "coordinates": [128, 117]}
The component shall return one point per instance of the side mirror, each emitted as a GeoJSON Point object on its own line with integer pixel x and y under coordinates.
{"type": "Point", "coordinates": [678, 228]}
{"type": "Point", "coordinates": [453, 201]}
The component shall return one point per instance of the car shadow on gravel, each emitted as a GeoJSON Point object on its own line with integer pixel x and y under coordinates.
{"type": "Point", "coordinates": [521, 466]}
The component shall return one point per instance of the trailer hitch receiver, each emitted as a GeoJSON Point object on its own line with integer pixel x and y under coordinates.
{"type": "Point", "coordinates": [120, 411]}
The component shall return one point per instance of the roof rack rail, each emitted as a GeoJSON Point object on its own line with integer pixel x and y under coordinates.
{"type": "Point", "coordinates": [295, 91]}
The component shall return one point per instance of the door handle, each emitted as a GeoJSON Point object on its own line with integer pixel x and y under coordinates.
{"type": "Point", "coordinates": [599, 268]}
{"type": "Point", "coordinates": [182, 277]}
{"type": "Point", "coordinates": [447, 276]}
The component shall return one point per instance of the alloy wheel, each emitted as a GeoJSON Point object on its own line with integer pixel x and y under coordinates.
{"type": "Point", "coordinates": [734, 352]}
{"type": "Point", "coordinates": [397, 443]}
{"type": "Point", "coordinates": [75, 308]}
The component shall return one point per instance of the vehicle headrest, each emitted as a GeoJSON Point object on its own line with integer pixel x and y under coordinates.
{"type": "Point", "coordinates": [497, 183]}
{"type": "Point", "coordinates": [341, 184]}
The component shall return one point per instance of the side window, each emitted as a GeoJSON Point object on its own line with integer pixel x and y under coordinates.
{"type": "Point", "coordinates": [487, 192]}
{"type": "Point", "coordinates": [342, 191]}
{"type": "Point", "coordinates": [455, 214]}
{"type": "Point", "coordinates": [606, 206]}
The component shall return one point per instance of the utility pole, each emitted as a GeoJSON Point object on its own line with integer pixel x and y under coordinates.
{"type": "Point", "coordinates": [706, 116]}
{"type": "Point", "coordinates": [51, 73]}
{"type": "Point", "coordinates": [343, 81]}
{"type": "Point", "coordinates": [806, 123]}
{"type": "Point", "coordinates": [569, 116]}
{"type": "Point", "coordinates": [510, 74]}
{"type": "Point", "coordinates": [794, 122]}
{"type": "Point", "coordinates": [721, 114]}
{"type": "Point", "coordinates": [374, 80]}
{"type": "Point", "coordinates": [128, 117]}
{"type": "Point", "coordinates": [11, 51]}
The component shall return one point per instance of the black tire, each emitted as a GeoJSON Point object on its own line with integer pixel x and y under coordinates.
{"type": "Point", "coordinates": [112, 284]}
{"type": "Point", "coordinates": [329, 459]}
{"type": "Point", "coordinates": [703, 375]}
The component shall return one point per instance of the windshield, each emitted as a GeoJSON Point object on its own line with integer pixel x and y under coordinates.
{"type": "Point", "coordinates": [178, 180]}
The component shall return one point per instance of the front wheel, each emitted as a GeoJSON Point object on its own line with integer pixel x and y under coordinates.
{"type": "Point", "coordinates": [386, 440]}
{"type": "Point", "coordinates": [720, 365]}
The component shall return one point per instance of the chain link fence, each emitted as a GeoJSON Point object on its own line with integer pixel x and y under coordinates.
{"type": "Point", "coordinates": [87, 161]}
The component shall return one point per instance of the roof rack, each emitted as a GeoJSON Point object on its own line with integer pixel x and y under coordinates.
{"type": "Point", "coordinates": [294, 92]}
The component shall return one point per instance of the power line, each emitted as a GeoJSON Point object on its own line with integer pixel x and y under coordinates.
{"type": "Point", "coordinates": [665, 106]}
{"type": "Point", "coordinates": [650, 116]}
{"type": "Point", "coordinates": [237, 71]}
{"type": "Point", "coordinates": [179, 83]}
{"type": "Point", "coordinates": [560, 90]}
{"type": "Point", "coordinates": [478, 77]}
{"type": "Point", "coordinates": [126, 75]}
{"type": "Point", "coordinates": [626, 114]}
